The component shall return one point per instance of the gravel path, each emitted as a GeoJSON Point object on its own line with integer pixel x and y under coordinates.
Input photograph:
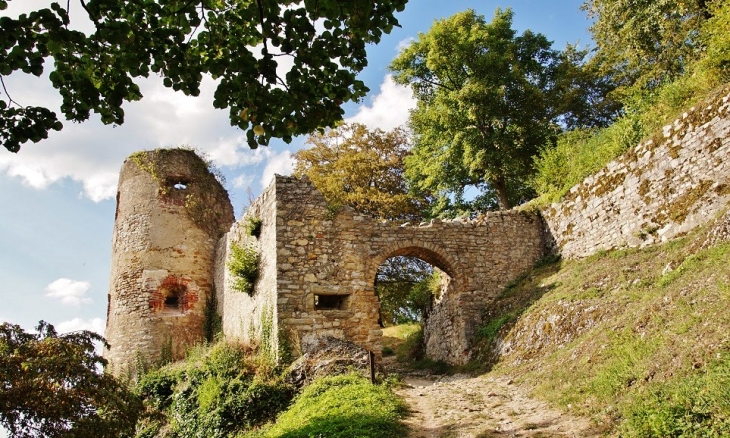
{"type": "Point", "coordinates": [464, 406]}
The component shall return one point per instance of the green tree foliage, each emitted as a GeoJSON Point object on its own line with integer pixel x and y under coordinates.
{"type": "Point", "coordinates": [580, 153]}
{"type": "Point", "coordinates": [715, 35]}
{"type": "Point", "coordinates": [405, 286]}
{"type": "Point", "coordinates": [643, 43]}
{"type": "Point", "coordinates": [52, 385]}
{"type": "Point", "coordinates": [488, 99]}
{"type": "Point", "coordinates": [364, 169]}
{"type": "Point", "coordinates": [240, 43]}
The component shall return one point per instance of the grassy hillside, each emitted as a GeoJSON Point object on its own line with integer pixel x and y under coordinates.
{"type": "Point", "coordinates": [637, 339]}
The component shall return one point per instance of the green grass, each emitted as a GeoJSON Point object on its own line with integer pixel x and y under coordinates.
{"type": "Point", "coordinates": [341, 406]}
{"type": "Point", "coordinates": [697, 405]}
{"type": "Point", "coordinates": [643, 350]}
{"type": "Point", "coordinates": [401, 331]}
{"type": "Point", "coordinates": [581, 153]}
{"type": "Point", "coordinates": [405, 341]}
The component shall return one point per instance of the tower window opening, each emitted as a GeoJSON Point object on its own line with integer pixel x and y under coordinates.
{"type": "Point", "coordinates": [172, 302]}
{"type": "Point", "coordinates": [173, 296]}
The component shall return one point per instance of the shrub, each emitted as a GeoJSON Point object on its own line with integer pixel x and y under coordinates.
{"type": "Point", "coordinates": [157, 387]}
{"type": "Point", "coordinates": [217, 395]}
{"type": "Point", "coordinates": [244, 265]}
{"type": "Point", "coordinates": [253, 226]}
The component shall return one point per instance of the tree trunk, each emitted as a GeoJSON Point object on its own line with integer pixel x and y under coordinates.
{"type": "Point", "coordinates": [500, 186]}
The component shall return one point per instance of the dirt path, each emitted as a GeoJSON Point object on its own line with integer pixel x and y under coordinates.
{"type": "Point", "coordinates": [463, 406]}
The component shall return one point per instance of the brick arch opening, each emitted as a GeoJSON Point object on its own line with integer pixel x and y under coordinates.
{"type": "Point", "coordinates": [171, 297]}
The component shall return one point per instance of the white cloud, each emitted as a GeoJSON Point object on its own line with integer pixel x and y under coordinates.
{"type": "Point", "coordinates": [281, 164]}
{"type": "Point", "coordinates": [242, 181]}
{"type": "Point", "coordinates": [389, 108]}
{"type": "Point", "coordinates": [95, 325]}
{"type": "Point", "coordinates": [70, 292]}
{"type": "Point", "coordinates": [404, 44]}
{"type": "Point", "coordinates": [92, 153]}
{"type": "Point", "coordinates": [234, 152]}
{"type": "Point", "coordinates": [100, 186]}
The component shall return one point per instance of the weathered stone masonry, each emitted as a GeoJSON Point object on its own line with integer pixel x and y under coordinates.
{"type": "Point", "coordinates": [660, 190]}
{"type": "Point", "coordinates": [319, 267]}
{"type": "Point", "coordinates": [170, 213]}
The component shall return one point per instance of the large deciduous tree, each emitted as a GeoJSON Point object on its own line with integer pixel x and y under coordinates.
{"type": "Point", "coordinates": [242, 44]}
{"type": "Point", "coordinates": [352, 165]}
{"type": "Point", "coordinates": [641, 43]}
{"type": "Point", "coordinates": [52, 385]}
{"type": "Point", "coordinates": [487, 100]}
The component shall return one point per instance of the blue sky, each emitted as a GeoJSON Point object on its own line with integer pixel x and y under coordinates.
{"type": "Point", "coordinates": [57, 196]}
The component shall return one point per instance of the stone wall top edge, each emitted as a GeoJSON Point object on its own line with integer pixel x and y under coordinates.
{"type": "Point", "coordinates": [484, 218]}
{"type": "Point", "coordinates": [281, 181]}
{"type": "Point", "coordinates": [721, 103]}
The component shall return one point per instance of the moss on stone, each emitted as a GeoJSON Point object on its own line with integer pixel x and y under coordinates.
{"type": "Point", "coordinates": [680, 209]}
{"type": "Point", "coordinates": [184, 178]}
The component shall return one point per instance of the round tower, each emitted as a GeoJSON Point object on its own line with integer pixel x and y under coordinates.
{"type": "Point", "coordinates": [171, 212]}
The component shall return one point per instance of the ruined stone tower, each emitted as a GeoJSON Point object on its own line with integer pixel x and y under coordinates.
{"type": "Point", "coordinates": [171, 211]}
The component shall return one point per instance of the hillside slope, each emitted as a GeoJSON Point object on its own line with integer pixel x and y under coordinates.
{"type": "Point", "coordinates": [638, 339]}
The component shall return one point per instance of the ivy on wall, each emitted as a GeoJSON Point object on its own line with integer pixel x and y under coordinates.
{"type": "Point", "coordinates": [252, 226]}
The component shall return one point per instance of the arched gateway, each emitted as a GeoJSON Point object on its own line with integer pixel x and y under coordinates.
{"type": "Point", "coordinates": [318, 269]}
{"type": "Point", "coordinates": [316, 273]}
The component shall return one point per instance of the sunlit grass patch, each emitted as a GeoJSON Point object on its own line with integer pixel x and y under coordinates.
{"type": "Point", "coordinates": [341, 406]}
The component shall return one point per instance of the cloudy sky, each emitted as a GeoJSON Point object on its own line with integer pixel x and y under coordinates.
{"type": "Point", "coordinates": [57, 196]}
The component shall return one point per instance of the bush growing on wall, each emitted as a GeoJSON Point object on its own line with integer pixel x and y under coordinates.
{"type": "Point", "coordinates": [253, 226]}
{"type": "Point", "coordinates": [244, 266]}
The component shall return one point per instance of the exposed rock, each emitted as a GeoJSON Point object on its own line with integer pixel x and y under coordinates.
{"type": "Point", "coordinates": [327, 356]}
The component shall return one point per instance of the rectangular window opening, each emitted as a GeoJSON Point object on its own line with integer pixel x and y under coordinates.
{"type": "Point", "coordinates": [172, 302]}
{"type": "Point", "coordinates": [331, 302]}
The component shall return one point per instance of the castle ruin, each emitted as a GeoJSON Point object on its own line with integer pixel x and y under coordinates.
{"type": "Point", "coordinates": [171, 212]}
{"type": "Point", "coordinates": [174, 230]}
{"type": "Point", "coordinates": [172, 248]}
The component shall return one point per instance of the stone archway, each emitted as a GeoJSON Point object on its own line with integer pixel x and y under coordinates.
{"type": "Point", "coordinates": [444, 326]}
{"type": "Point", "coordinates": [318, 267]}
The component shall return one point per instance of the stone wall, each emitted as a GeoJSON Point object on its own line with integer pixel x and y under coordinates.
{"type": "Point", "coordinates": [170, 212]}
{"type": "Point", "coordinates": [321, 265]}
{"type": "Point", "coordinates": [246, 317]}
{"type": "Point", "coordinates": [661, 189]}
{"type": "Point", "coordinates": [318, 265]}
{"type": "Point", "coordinates": [480, 257]}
